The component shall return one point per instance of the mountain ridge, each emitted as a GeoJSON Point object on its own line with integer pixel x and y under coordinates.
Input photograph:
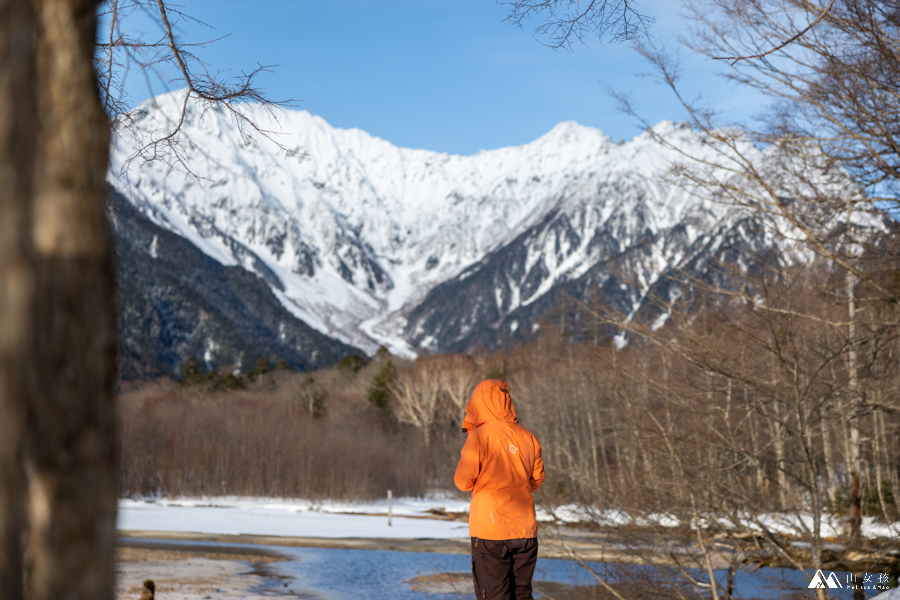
{"type": "Point", "coordinates": [359, 238]}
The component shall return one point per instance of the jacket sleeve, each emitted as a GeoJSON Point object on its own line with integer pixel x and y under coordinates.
{"type": "Point", "coordinates": [537, 471]}
{"type": "Point", "coordinates": [469, 465]}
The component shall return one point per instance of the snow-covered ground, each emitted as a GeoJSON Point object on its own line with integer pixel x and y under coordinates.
{"type": "Point", "coordinates": [791, 524]}
{"type": "Point", "coordinates": [412, 518]}
{"type": "Point", "coordinates": [294, 518]}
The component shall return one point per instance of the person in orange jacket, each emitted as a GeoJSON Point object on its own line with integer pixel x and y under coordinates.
{"type": "Point", "coordinates": [501, 465]}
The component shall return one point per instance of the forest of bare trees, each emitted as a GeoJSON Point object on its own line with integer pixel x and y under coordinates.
{"type": "Point", "coordinates": [783, 366]}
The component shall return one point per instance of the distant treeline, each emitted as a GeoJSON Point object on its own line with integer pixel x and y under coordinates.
{"type": "Point", "coordinates": [640, 426]}
{"type": "Point", "coordinates": [276, 433]}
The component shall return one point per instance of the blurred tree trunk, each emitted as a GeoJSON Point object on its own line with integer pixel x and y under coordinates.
{"type": "Point", "coordinates": [17, 124]}
{"type": "Point", "coordinates": [57, 309]}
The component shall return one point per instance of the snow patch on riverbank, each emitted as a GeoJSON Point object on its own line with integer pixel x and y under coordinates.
{"type": "Point", "coordinates": [415, 518]}
{"type": "Point", "coordinates": [412, 518]}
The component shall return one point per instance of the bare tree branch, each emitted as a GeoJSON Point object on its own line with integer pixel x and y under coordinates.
{"type": "Point", "coordinates": [565, 21]}
{"type": "Point", "coordinates": [782, 44]}
{"type": "Point", "coordinates": [205, 88]}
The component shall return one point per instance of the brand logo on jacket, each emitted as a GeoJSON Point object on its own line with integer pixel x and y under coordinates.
{"type": "Point", "coordinates": [513, 449]}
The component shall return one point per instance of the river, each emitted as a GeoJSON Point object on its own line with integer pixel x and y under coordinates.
{"type": "Point", "coordinates": [345, 574]}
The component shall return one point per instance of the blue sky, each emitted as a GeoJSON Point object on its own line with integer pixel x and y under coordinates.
{"type": "Point", "coordinates": [445, 75]}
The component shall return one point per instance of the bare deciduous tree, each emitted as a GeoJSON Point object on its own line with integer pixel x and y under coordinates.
{"type": "Point", "coordinates": [830, 166]}
{"type": "Point", "coordinates": [457, 375]}
{"type": "Point", "coordinates": [416, 393]}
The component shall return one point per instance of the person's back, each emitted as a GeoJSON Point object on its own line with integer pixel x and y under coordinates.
{"type": "Point", "coordinates": [501, 464]}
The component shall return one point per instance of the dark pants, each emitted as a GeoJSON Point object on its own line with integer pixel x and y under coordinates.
{"type": "Point", "coordinates": [502, 569]}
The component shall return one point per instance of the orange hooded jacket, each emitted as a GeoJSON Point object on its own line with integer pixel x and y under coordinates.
{"type": "Point", "coordinates": [501, 464]}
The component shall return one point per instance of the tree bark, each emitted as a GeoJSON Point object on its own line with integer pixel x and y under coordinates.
{"type": "Point", "coordinates": [827, 456]}
{"type": "Point", "coordinates": [17, 157]}
{"type": "Point", "coordinates": [71, 446]}
{"type": "Point", "coordinates": [778, 441]}
{"type": "Point", "coordinates": [855, 458]}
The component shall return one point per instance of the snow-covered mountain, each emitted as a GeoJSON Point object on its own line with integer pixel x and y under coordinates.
{"type": "Point", "coordinates": [369, 243]}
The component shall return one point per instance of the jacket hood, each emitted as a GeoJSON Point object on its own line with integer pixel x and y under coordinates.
{"type": "Point", "coordinates": [489, 402]}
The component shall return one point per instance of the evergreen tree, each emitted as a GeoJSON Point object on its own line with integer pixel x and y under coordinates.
{"type": "Point", "coordinates": [379, 391]}
{"type": "Point", "coordinates": [352, 362]}
{"type": "Point", "coordinates": [192, 372]}
{"type": "Point", "coordinates": [259, 368]}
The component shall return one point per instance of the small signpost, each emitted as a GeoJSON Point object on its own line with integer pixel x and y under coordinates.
{"type": "Point", "coordinates": [390, 502]}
